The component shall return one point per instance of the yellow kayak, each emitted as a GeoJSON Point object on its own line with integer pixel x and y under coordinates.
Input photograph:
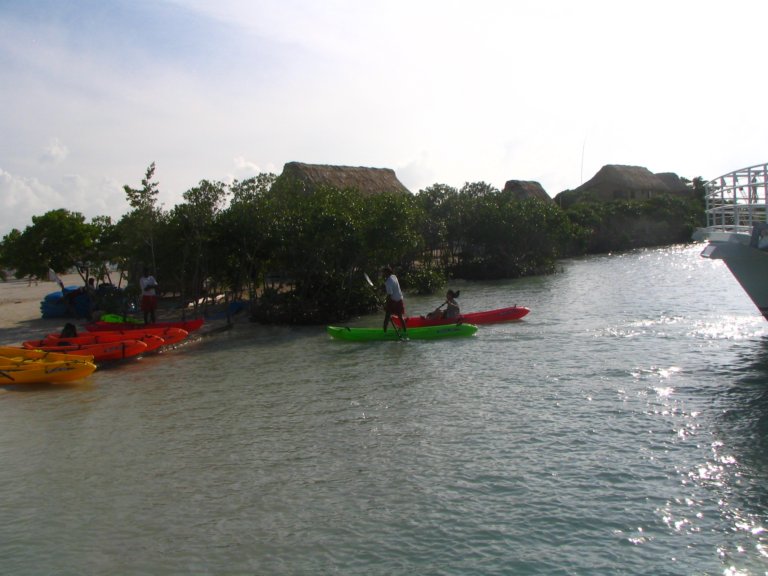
{"type": "Point", "coordinates": [25, 354]}
{"type": "Point", "coordinates": [48, 372]}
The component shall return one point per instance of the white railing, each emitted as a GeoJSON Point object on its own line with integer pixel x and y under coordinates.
{"type": "Point", "coordinates": [738, 200]}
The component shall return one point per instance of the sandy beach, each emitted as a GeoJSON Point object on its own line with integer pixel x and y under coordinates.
{"type": "Point", "coordinates": [20, 317]}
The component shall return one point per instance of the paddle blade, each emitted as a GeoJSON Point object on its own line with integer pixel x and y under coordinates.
{"type": "Point", "coordinates": [53, 277]}
{"type": "Point", "coordinates": [367, 279]}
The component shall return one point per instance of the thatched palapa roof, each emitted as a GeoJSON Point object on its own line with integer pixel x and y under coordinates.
{"type": "Point", "coordinates": [673, 181]}
{"type": "Point", "coordinates": [366, 180]}
{"type": "Point", "coordinates": [524, 189]}
{"type": "Point", "coordinates": [615, 181]}
{"type": "Point", "coordinates": [618, 177]}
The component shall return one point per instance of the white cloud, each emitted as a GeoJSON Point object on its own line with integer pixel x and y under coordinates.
{"type": "Point", "coordinates": [246, 166]}
{"type": "Point", "coordinates": [21, 198]}
{"type": "Point", "coordinates": [443, 92]}
{"type": "Point", "coordinates": [418, 173]}
{"type": "Point", "coordinates": [55, 152]}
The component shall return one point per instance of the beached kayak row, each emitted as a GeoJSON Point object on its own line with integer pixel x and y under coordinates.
{"type": "Point", "coordinates": [69, 356]}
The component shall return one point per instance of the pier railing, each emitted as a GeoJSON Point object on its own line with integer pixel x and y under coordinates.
{"type": "Point", "coordinates": [738, 200]}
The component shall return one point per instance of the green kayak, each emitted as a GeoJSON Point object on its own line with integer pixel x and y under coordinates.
{"type": "Point", "coordinates": [425, 333]}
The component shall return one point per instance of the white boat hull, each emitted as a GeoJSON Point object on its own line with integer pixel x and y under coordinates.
{"type": "Point", "coordinates": [737, 221]}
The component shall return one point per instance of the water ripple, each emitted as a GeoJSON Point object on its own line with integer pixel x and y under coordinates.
{"type": "Point", "coordinates": [620, 428]}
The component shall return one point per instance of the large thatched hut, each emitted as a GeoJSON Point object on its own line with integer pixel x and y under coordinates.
{"type": "Point", "coordinates": [366, 180]}
{"type": "Point", "coordinates": [618, 182]}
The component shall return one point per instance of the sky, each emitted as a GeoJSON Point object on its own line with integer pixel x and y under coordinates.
{"type": "Point", "coordinates": [440, 91]}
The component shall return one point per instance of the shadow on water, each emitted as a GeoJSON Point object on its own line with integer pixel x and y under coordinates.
{"type": "Point", "coordinates": [249, 334]}
{"type": "Point", "coordinates": [742, 420]}
{"type": "Point", "coordinates": [84, 384]}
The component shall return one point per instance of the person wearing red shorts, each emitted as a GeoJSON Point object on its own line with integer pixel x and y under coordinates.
{"type": "Point", "coordinates": [148, 286]}
{"type": "Point", "coordinates": [394, 304]}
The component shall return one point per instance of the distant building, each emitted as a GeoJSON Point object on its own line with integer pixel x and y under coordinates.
{"type": "Point", "coordinates": [366, 180]}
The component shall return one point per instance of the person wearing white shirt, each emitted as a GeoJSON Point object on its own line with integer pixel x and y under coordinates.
{"type": "Point", "coordinates": [394, 303]}
{"type": "Point", "coordinates": [148, 286]}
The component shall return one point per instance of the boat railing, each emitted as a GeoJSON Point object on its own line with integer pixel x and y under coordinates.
{"type": "Point", "coordinates": [737, 201]}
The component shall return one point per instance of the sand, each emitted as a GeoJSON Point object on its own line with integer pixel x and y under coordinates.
{"type": "Point", "coordinates": [20, 317]}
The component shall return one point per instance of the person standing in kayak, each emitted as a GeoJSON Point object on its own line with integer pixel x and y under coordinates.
{"type": "Point", "coordinates": [394, 304]}
{"type": "Point", "coordinates": [148, 286]}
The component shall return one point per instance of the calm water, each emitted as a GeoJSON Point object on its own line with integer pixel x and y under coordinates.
{"type": "Point", "coordinates": [621, 428]}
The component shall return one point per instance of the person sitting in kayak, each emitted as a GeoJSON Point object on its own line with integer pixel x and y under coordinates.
{"type": "Point", "coordinates": [452, 311]}
{"type": "Point", "coordinates": [452, 307]}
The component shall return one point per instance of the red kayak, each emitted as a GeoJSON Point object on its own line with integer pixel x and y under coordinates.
{"type": "Point", "coordinates": [486, 317]}
{"type": "Point", "coordinates": [153, 342]}
{"type": "Point", "coordinates": [100, 326]}
{"type": "Point", "coordinates": [100, 352]}
{"type": "Point", "coordinates": [167, 335]}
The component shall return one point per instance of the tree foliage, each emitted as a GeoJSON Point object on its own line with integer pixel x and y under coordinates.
{"type": "Point", "coordinates": [299, 257]}
{"type": "Point", "coordinates": [139, 227]}
{"type": "Point", "coordinates": [58, 239]}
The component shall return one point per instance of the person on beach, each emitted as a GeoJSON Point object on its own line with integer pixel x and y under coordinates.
{"type": "Point", "coordinates": [394, 303]}
{"type": "Point", "coordinates": [148, 286]}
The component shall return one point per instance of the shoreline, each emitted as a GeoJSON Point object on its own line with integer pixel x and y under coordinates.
{"type": "Point", "coordinates": [20, 315]}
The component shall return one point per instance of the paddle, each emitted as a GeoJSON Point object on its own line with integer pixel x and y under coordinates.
{"type": "Point", "coordinates": [455, 295]}
{"type": "Point", "coordinates": [370, 283]}
{"type": "Point", "coordinates": [53, 277]}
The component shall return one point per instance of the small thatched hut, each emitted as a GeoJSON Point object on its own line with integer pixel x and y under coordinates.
{"type": "Point", "coordinates": [524, 189]}
{"type": "Point", "coordinates": [366, 180]}
{"type": "Point", "coordinates": [617, 182]}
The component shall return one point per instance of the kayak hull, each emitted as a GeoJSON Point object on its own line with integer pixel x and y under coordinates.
{"type": "Point", "coordinates": [25, 354]}
{"type": "Point", "coordinates": [167, 336]}
{"type": "Point", "coordinates": [424, 333]}
{"type": "Point", "coordinates": [100, 352]}
{"type": "Point", "coordinates": [497, 316]}
{"type": "Point", "coordinates": [46, 372]}
{"type": "Point", "coordinates": [153, 342]}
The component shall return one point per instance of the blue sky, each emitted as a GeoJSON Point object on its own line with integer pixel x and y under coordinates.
{"type": "Point", "coordinates": [448, 92]}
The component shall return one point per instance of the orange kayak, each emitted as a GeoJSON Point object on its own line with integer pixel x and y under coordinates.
{"type": "Point", "coordinates": [153, 342]}
{"type": "Point", "coordinates": [100, 352]}
{"type": "Point", "coordinates": [166, 335]}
